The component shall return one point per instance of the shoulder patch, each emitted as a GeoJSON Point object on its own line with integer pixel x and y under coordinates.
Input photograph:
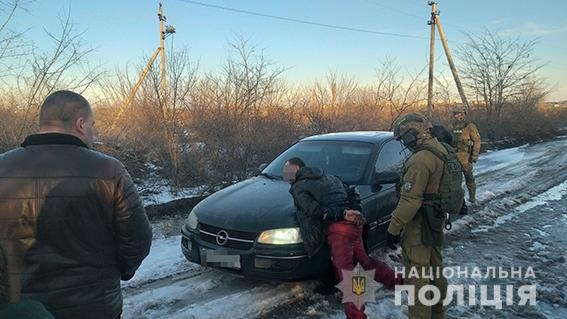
{"type": "Point", "coordinates": [407, 186]}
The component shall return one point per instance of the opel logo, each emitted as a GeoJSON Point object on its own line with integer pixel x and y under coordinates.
{"type": "Point", "coordinates": [222, 237]}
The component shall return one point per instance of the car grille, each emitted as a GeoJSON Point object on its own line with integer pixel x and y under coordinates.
{"type": "Point", "coordinates": [236, 239]}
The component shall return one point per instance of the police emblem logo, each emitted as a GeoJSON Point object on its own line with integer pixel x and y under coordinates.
{"type": "Point", "coordinates": [407, 186]}
{"type": "Point", "coordinates": [358, 285]}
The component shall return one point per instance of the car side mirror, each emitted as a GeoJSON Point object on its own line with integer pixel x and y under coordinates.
{"type": "Point", "coordinates": [387, 177]}
{"type": "Point", "coordinates": [262, 166]}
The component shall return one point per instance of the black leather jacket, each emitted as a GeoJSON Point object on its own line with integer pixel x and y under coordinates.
{"type": "Point", "coordinates": [320, 199]}
{"type": "Point", "coordinates": [71, 225]}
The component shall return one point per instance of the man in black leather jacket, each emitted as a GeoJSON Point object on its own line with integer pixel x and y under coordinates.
{"type": "Point", "coordinates": [72, 224]}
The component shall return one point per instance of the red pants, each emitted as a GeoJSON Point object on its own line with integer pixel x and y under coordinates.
{"type": "Point", "coordinates": [347, 248]}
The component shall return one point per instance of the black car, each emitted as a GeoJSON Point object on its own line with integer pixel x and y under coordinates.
{"type": "Point", "coordinates": [251, 226]}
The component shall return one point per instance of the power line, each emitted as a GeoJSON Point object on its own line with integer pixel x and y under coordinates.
{"type": "Point", "coordinates": [418, 17]}
{"type": "Point", "coordinates": [325, 25]}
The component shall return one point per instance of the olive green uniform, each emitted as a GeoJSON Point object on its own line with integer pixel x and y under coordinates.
{"type": "Point", "coordinates": [421, 175]}
{"type": "Point", "coordinates": [466, 140]}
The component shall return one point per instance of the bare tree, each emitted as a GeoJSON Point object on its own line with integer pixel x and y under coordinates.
{"type": "Point", "coordinates": [397, 94]}
{"type": "Point", "coordinates": [336, 90]}
{"type": "Point", "coordinates": [49, 70]}
{"type": "Point", "coordinates": [328, 100]}
{"type": "Point", "coordinates": [530, 94]}
{"type": "Point", "coordinates": [160, 136]}
{"type": "Point", "coordinates": [11, 41]}
{"type": "Point", "coordinates": [181, 81]}
{"type": "Point", "coordinates": [445, 90]}
{"type": "Point", "coordinates": [231, 110]}
{"type": "Point", "coordinates": [12, 48]}
{"type": "Point", "coordinates": [496, 69]}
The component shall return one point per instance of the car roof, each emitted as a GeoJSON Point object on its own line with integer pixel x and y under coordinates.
{"type": "Point", "coordinates": [375, 137]}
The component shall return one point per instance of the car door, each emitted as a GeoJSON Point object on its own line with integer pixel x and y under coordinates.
{"type": "Point", "coordinates": [384, 199]}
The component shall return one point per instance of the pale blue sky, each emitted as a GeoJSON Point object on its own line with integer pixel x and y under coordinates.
{"type": "Point", "coordinates": [123, 32]}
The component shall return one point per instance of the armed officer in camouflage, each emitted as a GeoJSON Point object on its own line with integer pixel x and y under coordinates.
{"type": "Point", "coordinates": [466, 141]}
{"type": "Point", "coordinates": [422, 235]}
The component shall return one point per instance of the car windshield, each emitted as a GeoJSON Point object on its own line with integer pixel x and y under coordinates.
{"type": "Point", "coordinates": [347, 160]}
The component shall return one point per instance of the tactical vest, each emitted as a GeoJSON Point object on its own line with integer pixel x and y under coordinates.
{"type": "Point", "coordinates": [458, 143]}
{"type": "Point", "coordinates": [448, 199]}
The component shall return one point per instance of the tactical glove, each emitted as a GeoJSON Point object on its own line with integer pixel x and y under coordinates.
{"type": "Point", "coordinates": [392, 240]}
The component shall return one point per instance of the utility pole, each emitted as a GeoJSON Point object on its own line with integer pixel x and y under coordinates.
{"type": "Point", "coordinates": [431, 22]}
{"type": "Point", "coordinates": [435, 21]}
{"type": "Point", "coordinates": [169, 131]}
{"type": "Point", "coordinates": [162, 34]}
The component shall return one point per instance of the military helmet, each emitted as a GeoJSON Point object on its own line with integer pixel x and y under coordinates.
{"type": "Point", "coordinates": [415, 121]}
{"type": "Point", "coordinates": [459, 108]}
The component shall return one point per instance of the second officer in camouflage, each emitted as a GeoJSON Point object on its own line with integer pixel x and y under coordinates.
{"type": "Point", "coordinates": [466, 141]}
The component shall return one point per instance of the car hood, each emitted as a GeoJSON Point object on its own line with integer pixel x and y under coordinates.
{"type": "Point", "coordinates": [253, 205]}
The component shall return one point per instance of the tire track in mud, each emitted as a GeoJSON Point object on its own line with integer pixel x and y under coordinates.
{"type": "Point", "coordinates": [209, 294]}
{"type": "Point", "coordinates": [174, 293]}
{"type": "Point", "coordinates": [505, 188]}
{"type": "Point", "coordinates": [530, 235]}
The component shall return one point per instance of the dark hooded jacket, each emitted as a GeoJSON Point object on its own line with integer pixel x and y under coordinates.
{"type": "Point", "coordinates": [71, 226]}
{"type": "Point", "coordinates": [320, 199]}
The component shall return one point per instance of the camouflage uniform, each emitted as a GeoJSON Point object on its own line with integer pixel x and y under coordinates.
{"type": "Point", "coordinates": [421, 176]}
{"type": "Point", "coordinates": [466, 141]}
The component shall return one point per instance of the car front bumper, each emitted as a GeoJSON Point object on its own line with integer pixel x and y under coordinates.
{"type": "Point", "coordinates": [273, 262]}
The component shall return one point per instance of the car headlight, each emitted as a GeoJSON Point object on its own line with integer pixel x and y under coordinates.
{"type": "Point", "coordinates": [192, 221]}
{"type": "Point", "coordinates": [281, 236]}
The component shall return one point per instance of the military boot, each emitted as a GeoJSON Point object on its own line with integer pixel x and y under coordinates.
{"type": "Point", "coordinates": [472, 194]}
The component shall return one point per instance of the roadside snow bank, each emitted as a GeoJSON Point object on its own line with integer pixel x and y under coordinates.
{"type": "Point", "coordinates": [165, 259]}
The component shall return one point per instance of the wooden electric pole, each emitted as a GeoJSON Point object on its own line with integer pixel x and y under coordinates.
{"type": "Point", "coordinates": [450, 61]}
{"type": "Point", "coordinates": [431, 22]}
{"type": "Point", "coordinates": [435, 21]}
{"type": "Point", "coordinates": [161, 48]}
{"type": "Point", "coordinates": [162, 19]}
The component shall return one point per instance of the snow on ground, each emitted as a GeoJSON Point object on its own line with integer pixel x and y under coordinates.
{"type": "Point", "coordinates": [554, 194]}
{"type": "Point", "coordinates": [165, 259]}
{"type": "Point", "coordinates": [514, 187]}
{"type": "Point", "coordinates": [158, 192]}
{"type": "Point", "coordinates": [533, 236]}
{"type": "Point", "coordinates": [211, 294]}
{"type": "Point", "coordinates": [239, 306]}
{"type": "Point", "coordinates": [493, 162]}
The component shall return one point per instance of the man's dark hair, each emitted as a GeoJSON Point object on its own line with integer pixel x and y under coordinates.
{"type": "Point", "coordinates": [296, 161]}
{"type": "Point", "coordinates": [442, 134]}
{"type": "Point", "coordinates": [62, 107]}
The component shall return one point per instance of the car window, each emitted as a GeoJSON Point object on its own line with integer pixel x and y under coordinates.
{"type": "Point", "coordinates": [391, 157]}
{"type": "Point", "coordinates": [347, 160]}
